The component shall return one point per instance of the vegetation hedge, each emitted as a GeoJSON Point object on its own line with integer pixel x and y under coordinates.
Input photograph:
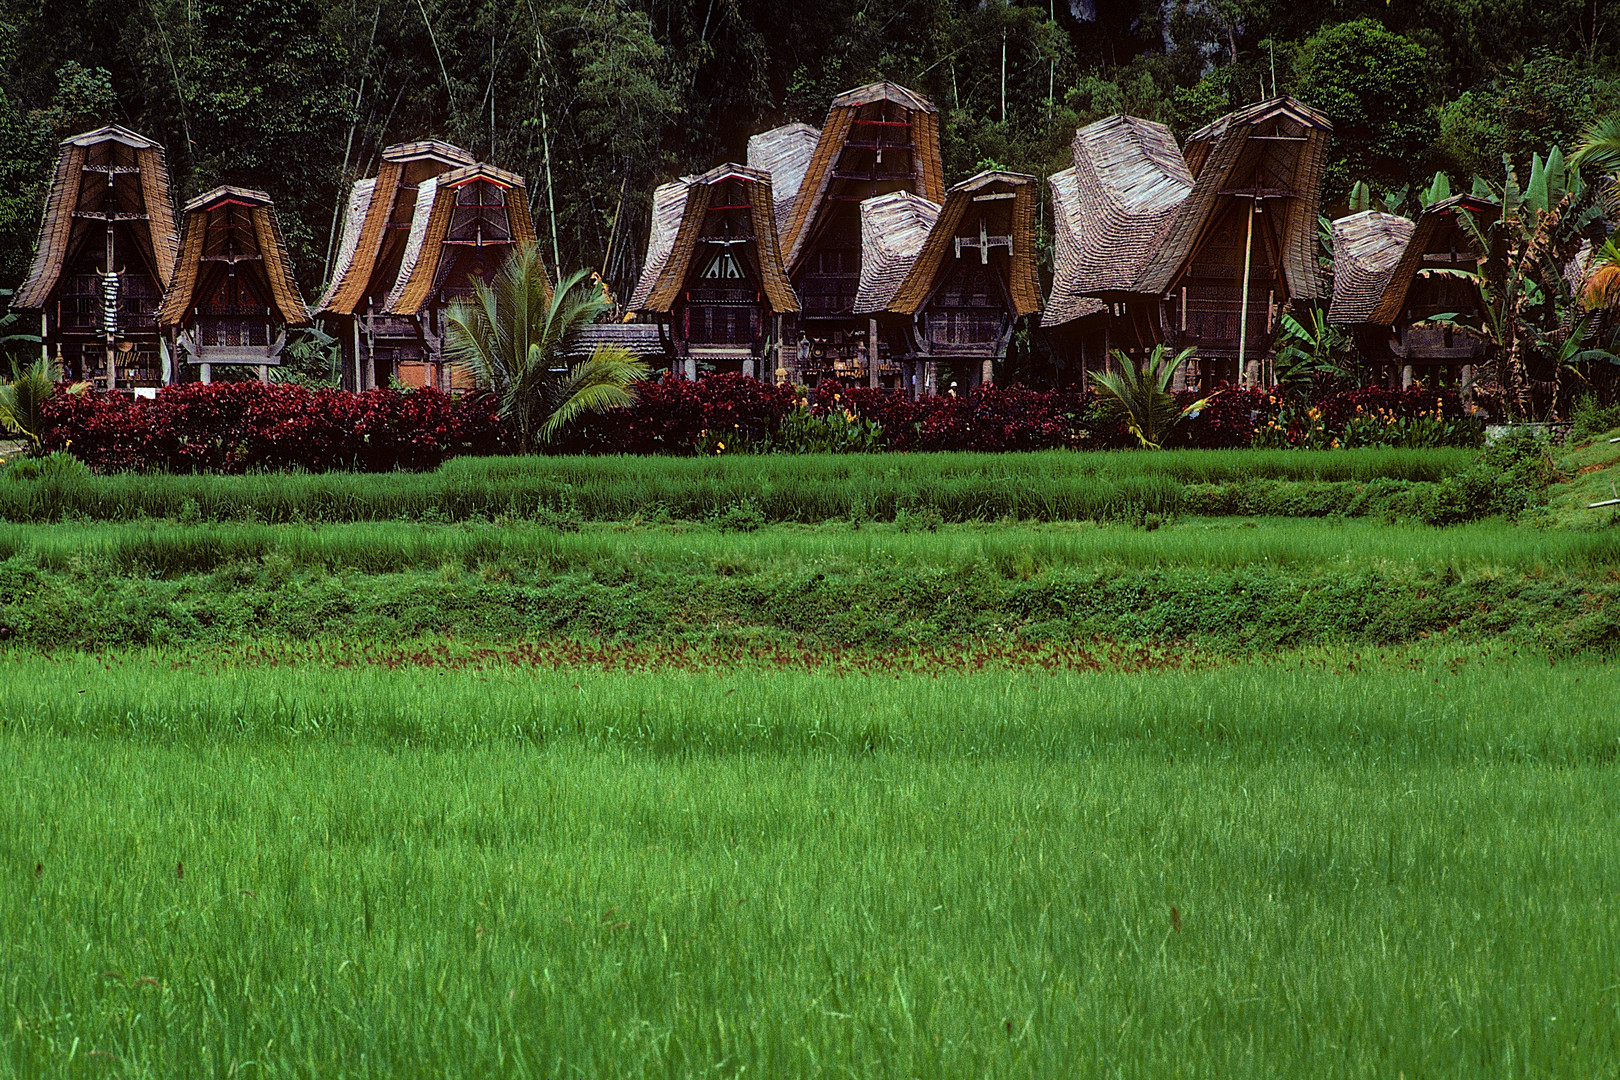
{"type": "Point", "coordinates": [252, 427]}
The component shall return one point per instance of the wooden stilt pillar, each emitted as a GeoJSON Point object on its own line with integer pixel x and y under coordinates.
{"type": "Point", "coordinates": [872, 353]}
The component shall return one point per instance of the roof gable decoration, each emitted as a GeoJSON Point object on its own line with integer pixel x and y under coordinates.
{"type": "Point", "coordinates": [1282, 143]}
{"type": "Point", "coordinates": [123, 165]}
{"type": "Point", "coordinates": [223, 228]}
{"type": "Point", "coordinates": [920, 133]}
{"type": "Point", "coordinates": [445, 207]}
{"type": "Point", "coordinates": [1006, 197]}
{"type": "Point", "coordinates": [372, 205]}
{"type": "Point", "coordinates": [696, 202]}
{"type": "Point", "coordinates": [1434, 220]}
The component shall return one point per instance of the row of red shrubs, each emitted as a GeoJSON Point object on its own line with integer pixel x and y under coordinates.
{"type": "Point", "coordinates": [238, 427]}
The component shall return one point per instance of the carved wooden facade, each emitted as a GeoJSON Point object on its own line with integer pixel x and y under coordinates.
{"type": "Point", "coordinates": [378, 229]}
{"type": "Point", "coordinates": [106, 251]}
{"type": "Point", "coordinates": [943, 287]}
{"type": "Point", "coordinates": [714, 281]}
{"type": "Point", "coordinates": [232, 297]}
{"type": "Point", "coordinates": [1243, 246]}
{"type": "Point", "coordinates": [877, 140]}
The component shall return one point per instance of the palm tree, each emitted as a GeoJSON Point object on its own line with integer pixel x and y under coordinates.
{"type": "Point", "coordinates": [1139, 394]}
{"type": "Point", "coordinates": [1600, 147]}
{"type": "Point", "coordinates": [512, 336]}
{"type": "Point", "coordinates": [23, 397]}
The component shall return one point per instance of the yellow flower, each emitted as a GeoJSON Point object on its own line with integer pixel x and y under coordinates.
{"type": "Point", "coordinates": [722, 446]}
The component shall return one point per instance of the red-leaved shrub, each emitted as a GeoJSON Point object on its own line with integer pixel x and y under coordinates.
{"type": "Point", "coordinates": [236, 427]}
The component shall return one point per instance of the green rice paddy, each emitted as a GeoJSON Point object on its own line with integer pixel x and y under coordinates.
{"type": "Point", "coordinates": [679, 795]}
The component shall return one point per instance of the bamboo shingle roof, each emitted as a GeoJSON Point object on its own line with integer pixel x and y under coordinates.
{"type": "Point", "coordinates": [669, 207]}
{"type": "Point", "coordinates": [755, 187]}
{"type": "Point", "coordinates": [821, 187]}
{"type": "Point", "coordinates": [1282, 142]}
{"type": "Point", "coordinates": [1366, 248]}
{"type": "Point", "coordinates": [784, 153]}
{"type": "Point", "coordinates": [421, 268]}
{"type": "Point", "coordinates": [232, 228]}
{"type": "Point", "coordinates": [372, 207]}
{"type": "Point", "coordinates": [894, 228]}
{"type": "Point", "coordinates": [987, 189]}
{"type": "Point", "coordinates": [1435, 218]}
{"type": "Point", "coordinates": [642, 339]}
{"type": "Point", "coordinates": [141, 188]}
{"type": "Point", "coordinates": [1065, 305]}
{"type": "Point", "coordinates": [1113, 210]}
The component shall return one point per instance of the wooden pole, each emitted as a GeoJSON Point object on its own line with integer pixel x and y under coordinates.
{"type": "Point", "coordinates": [872, 352]}
{"type": "Point", "coordinates": [1243, 302]}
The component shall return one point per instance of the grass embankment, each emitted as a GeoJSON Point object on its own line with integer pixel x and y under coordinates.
{"type": "Point", "coordinates": [1055, 486]}
{"type": "Point", "coordinates": [1327, 866]}
{"type": "Point", "coordinates": [1593, 474]}
{"type": "Point", "coordinates": [1212, 584]}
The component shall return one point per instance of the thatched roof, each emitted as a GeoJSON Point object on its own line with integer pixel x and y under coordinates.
{"type": "Point", "coordinates": [1113, 210]}
{"type": "Point", "coordinates": [1366, 247]}
{"type": "Point", "coordinates": [1284, 142]}
{"type": "Point", "coordinates": [232, 227]}
{"type": "Point", "coordinates": [1435, 219]}
{"type": "Point", "coordinates": [821, 186]}
{"type": "Point", "coordinates": [137, 195]}
{"type": "Point", "coordinates": [1065, 305]}
{"type": "Point", "coordinates": [894, 228]}
{"type": "Point", "coordinates": [755, 187]}
{"type": "Point", "coordinates": [429, 239]}
{"type": "Point", "coordinates": [784, 153]}
{"type": "Point", "coordinates": [644, 340]}
{"type": "Point", "coordinates": [669, 207]}
{"type": "Point", "coordinates": [373, 206]}
{"type": "Point", "coordinates": [1000, 215]}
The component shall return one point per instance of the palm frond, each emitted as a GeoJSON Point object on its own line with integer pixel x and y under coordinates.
{"type": "Point", "coordinates": [605, 380]}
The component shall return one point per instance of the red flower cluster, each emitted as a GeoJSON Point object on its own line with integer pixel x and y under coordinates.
{"type": "Point", "coordinates": [237, 427]}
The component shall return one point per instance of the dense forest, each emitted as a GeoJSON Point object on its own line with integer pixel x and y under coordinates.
{"type": "Point", "coordinates": [597, 100]}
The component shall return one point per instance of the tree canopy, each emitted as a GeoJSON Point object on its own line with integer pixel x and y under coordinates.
{"type": "Point", "coordinates": [606, 98]}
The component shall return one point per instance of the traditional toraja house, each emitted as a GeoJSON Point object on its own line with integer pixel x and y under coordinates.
{"type": "Point", "coordinates": [714, 280]}
{"type": "Point", "coordinates": [942, 287]}
{"type": "Point", "coordinates": [1427, 281]}
{"type": "Point", "coordinates": [232, 296]}
{"type": "Point", "coordinates": [106, 250]}
{"type": "Point", "coordinates": [1243, 244]}
{"type": "Point", "coordinates": [1366, 249]}
{"type": "Point", "coordinates": [376, 232]}
{"type": "Point", "coordinates": [876, 140]}
{"type": "Point", "coordinates": [467, 221]}
{"type": "Point", "coordinates": [1111, 211]}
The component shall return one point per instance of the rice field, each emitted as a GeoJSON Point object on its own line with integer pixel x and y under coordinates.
{"type": "Point", "coordinates": [1049, 486]}
{"type": "Point", "coordinates": [1329, 864]}
{"type": "Point", "coordinates": [167, 549]}
{"type": "Point", "coordinates": [942, 774]}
